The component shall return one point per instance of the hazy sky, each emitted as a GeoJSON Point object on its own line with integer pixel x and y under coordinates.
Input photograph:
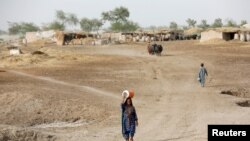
{"type": "Point", "coordinates": [144, 12]}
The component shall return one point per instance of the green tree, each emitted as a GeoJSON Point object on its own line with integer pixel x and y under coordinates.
{"type": "Point", "coordinates": [217, 23]}
{"type": "Point", "coordinates": [124, 26]}
{"type": "Point", "coordinates": [131, 26]}
{"type": "Point", "coordinates": [86, 24]}
{"type": "Point", "coordinates": [119, 14]}
{"type": "Point", "coordinates": [243, 22]}
{"type": "Point", "coordinates": [55, 25]}
{"type": "Point", "coordinates": [203, 24]}
{"type": "Point", "coordinates": [118, 19]}
{"type": "Point", "coordinates": [72, 19]}
{"type": "Point", "coordinates": [90, 24]}
{"type": "Point", "coordinates": [231, 23]}
{"type": "Point", "coordinates": [2, 32]}
{"type": "Point", "coordinates": [66, 18]}
{"type": "Point", "coordinates": [97, 24]}
{"type": "Point", "coordinates": [173, 25]}
{"type": "Point", "coordinates": [61, 16]}
{"type": "Point", "coordinates": [152, 27]}
{"type": "Point", "coordinates": [22, 28]}
{"type": "Point", "coordinates": [191, 22]}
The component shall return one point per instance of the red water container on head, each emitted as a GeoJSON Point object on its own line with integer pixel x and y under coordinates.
{"type": "Point", "coordinates": [131, 93]}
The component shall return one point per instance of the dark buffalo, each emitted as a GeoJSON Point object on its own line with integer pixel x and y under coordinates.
{"type": "Point", "coordinates": [191, 37]}
{"type": "Point", "coordinates": [155, 49]}
{"type": "Point", "coordinates": [68, 38]}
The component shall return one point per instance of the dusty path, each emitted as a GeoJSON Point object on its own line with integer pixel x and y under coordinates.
{"type": "Point", "coordinates": [183, 109]}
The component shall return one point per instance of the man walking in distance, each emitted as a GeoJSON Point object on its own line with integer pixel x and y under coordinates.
{"type": "Point", "coordinates": [202, 75]}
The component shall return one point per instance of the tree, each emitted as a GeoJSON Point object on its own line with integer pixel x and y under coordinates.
{"type": "Point", "coordinates": [217, 23]}
{"type": "Point", "coordinates": [203, 24]}
{"type": "Point", "coordinates": [118, 19]}
{"type": "Point", "coordinates": [152, 27]}
{"type": "Point", "coordinates": [191, 22]}
{"type": "Point", "coordinates": [22, 28]}
{"type": "Point", "coordinates": [2, 32]}
{"type": "Point", "coordinates": [243, 22]}
{"type": "Point", "coordinates": [97, 24]}
{"type": "Point", "coordinates": [119, 14]}
{"type": "Point", "coordinates": [66, 18]}
{"type": "Point", "coordinates": [124, 26]}
{"type": "Point", "coordinates": [61, 16]}
{"type": "Point", "coordinates": [86, 24]}
{"type": "Point", "coordinates": [90, 24]}
{"type": "Point", "coordinates": [184, 27]}
{"type": "Point", "coordinates": [72, 19]}
{"type": "Point", "coordinates": [173, 25]}
{"type": "Point", "coordinates": [231, 23]}
{"type": "Point", "coordinates": [55, 25]}
{"type": "Point", "coordinates": [130, 26]}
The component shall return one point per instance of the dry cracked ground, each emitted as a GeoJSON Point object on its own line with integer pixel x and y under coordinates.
{"type": "Point", "coordinates": [74, 93]}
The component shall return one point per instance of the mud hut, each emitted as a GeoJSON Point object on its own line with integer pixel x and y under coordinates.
{"type": "Point", "coordinates": [60, 38]}
{"type": "Point", "coordinates": [80, 38]}
{"type": "Point", "coordinates": [236, 36]}
{"type": "Point", "coordinates": [35, 36]}
{"type": "Point", "coordinates": [242, 36]}
{"type": "Point", "coordinates": [248, 36]}
{"type": "Point", "coordinates": [219, 33]}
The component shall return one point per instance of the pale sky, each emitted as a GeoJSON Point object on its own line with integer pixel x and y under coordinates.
{"type": "Point", "coordinates": [144, 12]}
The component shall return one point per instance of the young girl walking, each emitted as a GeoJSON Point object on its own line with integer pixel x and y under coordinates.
{"type": "Point", "coordinates": [129, 119]}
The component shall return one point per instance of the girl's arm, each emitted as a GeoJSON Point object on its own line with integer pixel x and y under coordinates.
{"type": "Point", "coordinates": [123, 100]}
{"type": "Point", "coordinates": [122, 103]}
{"type": "Point", "coordinates": [136, 119]}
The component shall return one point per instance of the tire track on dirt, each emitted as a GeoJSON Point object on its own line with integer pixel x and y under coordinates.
{"type": "Point", "coordinates": [87, 89]}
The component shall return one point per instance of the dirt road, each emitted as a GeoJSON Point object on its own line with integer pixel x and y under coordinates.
{"type": "Point", "coordinates": [79, 99]}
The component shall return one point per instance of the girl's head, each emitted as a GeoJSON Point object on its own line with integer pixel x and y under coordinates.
{"type": "Point", "coordinates": [202, 65]}
{"type": "Point", "coordinates": [128, 102]}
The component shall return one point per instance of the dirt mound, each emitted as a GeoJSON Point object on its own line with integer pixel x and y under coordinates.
{"type": "Point", "coordinates": [38, 53]}
{"type": "Point", "coordinates": [24, 135]}
{"type": "Point", "coordinates": [244, 103]}
{"type": "Point", "coordinates": [239, 92]}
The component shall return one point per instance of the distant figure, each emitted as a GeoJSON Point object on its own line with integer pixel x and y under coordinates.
{"type": "Point", "coordinates": [149, 47]}
{"type": "Point", "coordinates": [129, 119]}
{"type": "Point", "coordinates": [202, 75]}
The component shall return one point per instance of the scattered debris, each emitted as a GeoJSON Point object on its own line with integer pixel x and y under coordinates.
{"type": "Point", "coordinates": [240, 92]}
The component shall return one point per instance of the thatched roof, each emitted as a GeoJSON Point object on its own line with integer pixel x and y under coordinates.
{"type": "Point", "coordinates": [229, 29]}
{"type": "Point", "coordinates": [247, 26]}
{"type": "Point", "coordinates": [79, 32]}
{"type": "Point", "coordinates": [157, 31]}
{"type": "Point", "coordinates": [191, 31]}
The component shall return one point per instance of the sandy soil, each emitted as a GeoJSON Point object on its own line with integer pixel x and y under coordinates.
{"type": "Point", "coordinates": [74, 93]}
